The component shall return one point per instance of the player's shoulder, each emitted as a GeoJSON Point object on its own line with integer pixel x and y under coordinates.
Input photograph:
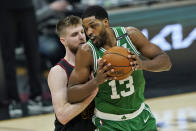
{"type": "Point", "coordinates": [134, 34]}
{"type": "Point", "coordinates": [86, 52]}
{"type": "Point", "coordinates": [131, 30]}
{"type": "Point", "coordinates": [56, 72]}
{"type": "Point", "coordinates": [56, 78]}
{"type": "Point", "coordinates": [85, 48]}
{"type": "Point", "coordinates": [56, 68]}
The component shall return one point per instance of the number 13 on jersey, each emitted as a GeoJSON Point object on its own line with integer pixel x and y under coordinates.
{"type": "Point", "coordinates": [129, 85]}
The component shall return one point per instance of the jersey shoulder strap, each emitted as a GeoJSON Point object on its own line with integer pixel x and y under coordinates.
{"type": "Point", "coordinates": [66, 66]}
{"type": "Point", "coordinates": [124, 40]}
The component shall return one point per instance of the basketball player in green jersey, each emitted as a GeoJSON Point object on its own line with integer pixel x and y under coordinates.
{"type": "Point", "coordinates": [119, 103]}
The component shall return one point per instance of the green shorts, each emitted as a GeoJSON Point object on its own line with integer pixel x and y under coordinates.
{"type": "Point", "coordinates": [145, 121]}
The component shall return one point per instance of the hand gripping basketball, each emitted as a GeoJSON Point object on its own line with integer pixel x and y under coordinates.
{"type": "Point", "coordinates": [102, 71]}
{"type": "Point", "coordinates": [118, 57]}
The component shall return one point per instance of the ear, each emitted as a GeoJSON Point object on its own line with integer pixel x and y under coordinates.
{"type": "Point", "coordinates": [106, 22]}
{"type": "Point", "coordinates": [63, 41]}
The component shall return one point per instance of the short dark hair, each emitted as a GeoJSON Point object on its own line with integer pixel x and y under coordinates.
{"type": "Point", "coordinates": [66, 22]}
{"type": "Point", "coordinates": [97, 11]}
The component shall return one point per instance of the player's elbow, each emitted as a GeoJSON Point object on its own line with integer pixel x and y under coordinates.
{"type": "Point", "coordinates": [62, 114]}
{"type": "Point", "coordinates": [73, 96]}
{"type": "Point", "coordinates": [169, 67]}
{"type": "Point", "coordinates": [168, 64]}
{"type": "Point", "coordinates": [165, 62]}
{"type": "Point", "coordinates": [62, 117]}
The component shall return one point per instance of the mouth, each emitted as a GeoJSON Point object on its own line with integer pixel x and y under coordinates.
{"type": "Point", "coordinates": [93, 38]}
{"type": "Point", "coordinates": [81, 43]}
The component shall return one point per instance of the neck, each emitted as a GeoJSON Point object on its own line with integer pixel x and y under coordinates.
{"type": "Point", "coordinates": [70, 57]}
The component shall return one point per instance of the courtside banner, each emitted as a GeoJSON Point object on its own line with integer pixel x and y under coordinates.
{"type": "Point", "coordinates": [173, 29]}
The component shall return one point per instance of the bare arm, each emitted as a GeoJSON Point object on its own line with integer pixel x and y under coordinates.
{"type": "Point", "coordinates": [156, 60]}
{"type": "Point", "coordinates": [57, 81]}
{"type": "Point", "coordinates": [80, 86]}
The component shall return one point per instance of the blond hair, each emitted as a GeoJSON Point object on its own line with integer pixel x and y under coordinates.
{"type": "Point", "coordinates": [66, 22]}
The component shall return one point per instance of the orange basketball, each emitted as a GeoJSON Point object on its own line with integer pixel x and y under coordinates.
{"type": "Point", "coordinates": [117, 56]}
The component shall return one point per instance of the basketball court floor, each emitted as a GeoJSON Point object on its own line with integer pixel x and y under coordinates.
{"type": "Point", "coordinates": [173, 113]}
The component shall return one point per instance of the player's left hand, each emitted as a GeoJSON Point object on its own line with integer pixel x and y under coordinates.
{"type": "Point", "coordinates": [135, 61]}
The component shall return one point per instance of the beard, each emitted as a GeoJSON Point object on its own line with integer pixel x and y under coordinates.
{"type": "Point", "coordinates": [101, 39]}
{"type": "Point", "coordinates": [73, 49]}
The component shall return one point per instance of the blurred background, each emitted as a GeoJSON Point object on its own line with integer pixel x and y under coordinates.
{"type": "Point", "coordinates": [29, 47]}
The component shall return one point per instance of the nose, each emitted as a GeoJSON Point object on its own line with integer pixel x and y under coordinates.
{"type": "Point", "coordinates": [81, 36]}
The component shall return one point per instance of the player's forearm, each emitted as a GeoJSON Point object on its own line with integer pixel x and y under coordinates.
{"type": "Point", "coordinates": [66, 112]}
{"type": "Point", "coordinates": [79, 92]}
{"type": "Point", "coordinates": [63, 114]}
{"type": "Point", "coordinates": [159, 63]}
{"type": "Point", "coordinates": [69, 111]}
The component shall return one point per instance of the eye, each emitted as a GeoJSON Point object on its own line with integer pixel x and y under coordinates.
{"type": "Point", "coordinates": [74, 34]}
{"type": "Point", "coordinates": [93, 25]}
{"type": "Point", "coordinates": [85, 29]}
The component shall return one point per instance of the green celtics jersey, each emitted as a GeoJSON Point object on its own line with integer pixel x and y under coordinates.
{"type": "Point", "coordinates": [119, 96]}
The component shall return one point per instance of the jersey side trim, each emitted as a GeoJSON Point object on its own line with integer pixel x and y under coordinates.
{"type": "Point", "coordinates": [130, 43]}
{"type": "Point", "coordinates": [94, 55]}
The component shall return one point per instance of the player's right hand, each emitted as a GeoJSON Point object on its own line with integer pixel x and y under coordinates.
{"type": "Point", "coordinates": [102, 71]}
{"type": "Point", "coordinates": [135, 61]}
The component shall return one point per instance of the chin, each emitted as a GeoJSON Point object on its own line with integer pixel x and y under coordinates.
{"type": "Point", "coordinates": [100, 44]}
{"type": "Point", "coordinates": [97, 43]}
{"type": "Point", "coordinates": [74, 51]}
